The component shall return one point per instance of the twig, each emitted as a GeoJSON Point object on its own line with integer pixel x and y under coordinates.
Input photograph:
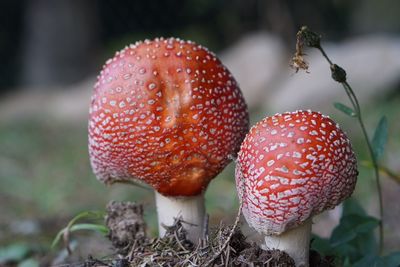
{"type": "Point", "coordinates": [232, 231]}
{"type": "Point", "coordinates": [179, 242]}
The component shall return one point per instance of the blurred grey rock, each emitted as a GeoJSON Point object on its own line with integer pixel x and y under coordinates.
{"type": "Point", "coordinates": [372, 64]}
{"type": "Point", "coordinates": [70, 105]}
{"type": "Point", "coordinates": [25, 227]}
{"type": "Point", "coordinates": [260, 65]}
{"type": "Point", "coordinates": [255, 61]}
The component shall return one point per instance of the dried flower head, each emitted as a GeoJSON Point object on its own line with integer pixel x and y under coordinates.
{"type": "Point", "coordinates": [298, 61]}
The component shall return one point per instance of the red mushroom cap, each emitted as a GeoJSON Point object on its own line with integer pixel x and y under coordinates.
{"type": "Point", "coordinates": [292, 166]}
{"type": "Point", "coordinates": [168, 113]}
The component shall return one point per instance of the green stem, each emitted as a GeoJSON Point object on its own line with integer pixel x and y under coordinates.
{"type": "Point", "coordinates": [353, 102]}
{"type": "Point", "coordinates": [357, 108]}
{"type": "Point", "coordinates": [374, 164]}
{"type": "Point", "coordinates": [383, 170]}
{"type": "Point", "coordinates": [325, 55]}
{"type": "Point", "coordinates": [390, 173]}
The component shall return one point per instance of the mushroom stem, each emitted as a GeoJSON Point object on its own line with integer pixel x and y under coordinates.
{"type": "Point", "coordinates": [295, 242]}
{"type": "Point", "coordinates": [190, 209]}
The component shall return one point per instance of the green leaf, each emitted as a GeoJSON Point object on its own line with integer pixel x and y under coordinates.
{"type": "Point", "coordinates": [346, 251]}
{"type": "Point", "coordinates": [352, 226]}
{"type": "Point", "coordinates": [86, 214]}
{"type": "Point", "coordinates": [368, 260]}
{"type": "Point", "coordinates": [392, 260]}
{"type": "Point", "coordinates": [352, 206]}
{"type": "Point", "coordinates": [354, 237]}
{"type": "Point", "coordinates": [71, 227]}
{"type": "Point", "coordinates": [366, 244]}
{"type": "Point", "coordinates": [77, 227]}
{"type": "Point", "coordinates": [29, 263]}
{"type": "Point", "coordinates": [342, 235]}
{"type": "Point", "coordinates": [346, 262]}
{"type": "Point", "coordinates": [367, 226]}
{"type": "Point", "coordinates": [345, 109]}
{"type": "Point", "coordinates": [13, 252]}
{"type": "Point", "coordinates": [321, 245]}
{"type": "Point", "coordinates": [380, 137]}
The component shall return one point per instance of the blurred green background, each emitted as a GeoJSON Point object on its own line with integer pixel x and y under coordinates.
{"type": "Point", "coordinates": [51, 52]}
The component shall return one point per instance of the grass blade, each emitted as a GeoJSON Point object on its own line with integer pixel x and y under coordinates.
{"type": "Point", "coordinates": [77, 227]}
{"type": "Point", "coordinates": [345, 109]}
{"type": "Point", "coordinates": [71, 226]}
{"type": "Point", "coordinates": [380, 137]}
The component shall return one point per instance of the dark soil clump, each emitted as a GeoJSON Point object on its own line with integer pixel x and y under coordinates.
{"type": "Point", "coordinates": [126, 225]}
{"type": "Point", "coordinates": [255, 256]}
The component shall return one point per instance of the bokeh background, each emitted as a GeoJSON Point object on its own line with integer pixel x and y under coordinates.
{"type": "Point", "coordinates": [52, 50]}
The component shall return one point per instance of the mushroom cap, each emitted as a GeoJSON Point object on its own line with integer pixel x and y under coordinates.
{"type": "Point", "coordinates": [292, 166]}
{"type": "Point", "coordinates": [168, 113]}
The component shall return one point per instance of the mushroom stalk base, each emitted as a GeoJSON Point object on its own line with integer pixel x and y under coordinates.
{"type": "Point", "coordinates": [190, 209]}
{"type": "Point", "coordinates": [295, 242]}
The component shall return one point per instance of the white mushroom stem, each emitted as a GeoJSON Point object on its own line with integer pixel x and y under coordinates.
{"type": "Point", "coordinates": [190, 209]}
{"type": "Point", "coordinates": [295, 242]}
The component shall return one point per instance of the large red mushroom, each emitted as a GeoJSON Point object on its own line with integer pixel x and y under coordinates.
{"type": "Point", "coordinates": [292, 166]}
{"type": "Point", "coordinates": [168, 113]}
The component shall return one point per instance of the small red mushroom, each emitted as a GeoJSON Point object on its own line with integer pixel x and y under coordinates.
{"type": "Point", "coordinates": [168, 113]}
{"type": "Point", "coordinates": [292, 166]}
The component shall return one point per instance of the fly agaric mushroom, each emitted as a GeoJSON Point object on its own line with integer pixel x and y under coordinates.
{"type": "Point", "coordinates": [168, 113]}
{"type": "Point", "coordinates": [291, 167]}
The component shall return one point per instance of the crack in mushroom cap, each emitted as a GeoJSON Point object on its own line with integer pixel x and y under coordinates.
{"type": "Point", "coordinates": [292, 166]}
{"type": "Point", "coordinates": [166, 112]}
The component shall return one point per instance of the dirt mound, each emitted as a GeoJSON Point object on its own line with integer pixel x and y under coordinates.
{"type": "Point", "coordinates": [223, 246]}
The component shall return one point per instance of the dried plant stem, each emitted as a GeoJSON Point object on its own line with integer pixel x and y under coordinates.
{"type": "Point", "coordinates": [312, 39]}
{"type": "Point", "coordinates": [228, 239]}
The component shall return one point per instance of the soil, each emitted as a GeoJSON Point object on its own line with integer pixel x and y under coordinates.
{"type": "Point", "coordinates": [223, 246]}
{"type": "Point", "coordinates": [126, 225]}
